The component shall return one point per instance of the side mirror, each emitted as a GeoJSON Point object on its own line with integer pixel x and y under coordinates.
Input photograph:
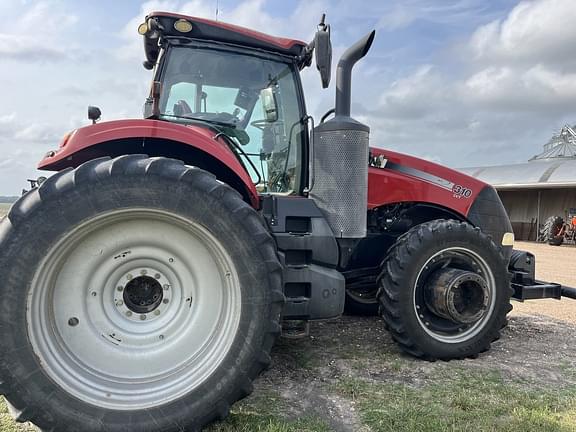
{"type": "Point", "coordinates": [269, 104]}
{"type": "Point", "coordinates": [94, 114]}
{"type": "Point", "coordinates": [323, 51]}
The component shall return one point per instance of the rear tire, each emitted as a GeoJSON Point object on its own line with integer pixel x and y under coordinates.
{"type": "Point", "coordinates": [552, 228]}
{"type": "Point", "coordinates": [184, 337]}
{"type": "Point", "coordinates": [418, 254]}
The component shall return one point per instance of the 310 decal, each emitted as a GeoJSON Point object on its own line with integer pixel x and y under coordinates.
{"type": "Point", "coordinates": [461, 191]}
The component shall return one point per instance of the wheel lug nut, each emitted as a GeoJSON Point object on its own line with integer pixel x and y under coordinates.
{"type": "Point", "coordinates": [157, 275]}
{"type": "Point", "coordinates": [156, 312]}
{"type": "Point", "coordinates": [119, 303]}
{"type": "Point", "coordinates": [143, 317]}
{"type": "Point", "coordinates": [166, 287]}
{"type": "Point", "coordinates": [143, 272]}
{"type": "Point", "coordinates": [128, 313]}
{"type": "Point", "coordinates": [165, 301]}
{"type": "Point", "coordinates": [120, 288]}
{"type": "Point", "coordinates": [94, 294]}
{"type": "Point", "coordinates": [129, 277]}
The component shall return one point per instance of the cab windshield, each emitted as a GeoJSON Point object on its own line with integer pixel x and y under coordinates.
{"type": "Point", "coordinates": [252, 100]}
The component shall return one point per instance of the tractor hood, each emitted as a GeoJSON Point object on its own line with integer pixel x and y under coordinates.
{"type": "Point", "coordinates": [396, 177]}
{"type": "Point", "coordinates": [115, 138]}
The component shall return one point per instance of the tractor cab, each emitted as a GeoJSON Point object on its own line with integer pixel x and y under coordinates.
{"type": "Point", "coordinates": [242, 84]}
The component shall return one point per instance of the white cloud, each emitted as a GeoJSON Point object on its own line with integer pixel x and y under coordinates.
{"type": "Point", "coordinates": [400, 14]}
{"type": "Point", "coordinates": [28, 49]}
{"type": "Point", "coordinates": [415, 96]}
{"type": "Point", "coordinates": [525, 62]}
{"type": "Point", "coordinates": [36, 35]}
{"type": "Point", "coordinates": [14, 130]}
{"type": "Point", "coordinates": [534, 31]}
{"type": "Point", "coordinates": [535, 88]}
{"type": "Point", "coordinates": [512, 83]}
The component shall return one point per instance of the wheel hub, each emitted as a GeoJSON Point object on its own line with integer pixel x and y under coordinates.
{"type": "Point", "coordinates": [458, 295]}
{"type": "Point", "coordinates": [143, 294]}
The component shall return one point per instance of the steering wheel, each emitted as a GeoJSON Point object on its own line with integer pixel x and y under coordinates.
{"type": "Point", "coordinates": [263, 123]}
{"type": "Point", "coordinates": [260, 124]}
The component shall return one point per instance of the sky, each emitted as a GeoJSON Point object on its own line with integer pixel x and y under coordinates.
{"type": "Point", "coordinates": [459, 82]}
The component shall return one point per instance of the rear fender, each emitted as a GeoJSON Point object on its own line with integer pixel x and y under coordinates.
{"type": "Point", "coordinates": [194, 145]}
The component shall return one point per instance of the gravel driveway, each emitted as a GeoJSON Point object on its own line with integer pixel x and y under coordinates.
{"type": "Point", "coordinates": [553, 264]}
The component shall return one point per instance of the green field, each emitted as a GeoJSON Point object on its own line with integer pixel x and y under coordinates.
{"type": "Point", "coordinates": [4, 208]}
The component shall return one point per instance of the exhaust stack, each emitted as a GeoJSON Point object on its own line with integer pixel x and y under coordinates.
{"type": "Point", "coordinates": [344, 73]}
{"type": "Point", "coordinates": [340, 156]}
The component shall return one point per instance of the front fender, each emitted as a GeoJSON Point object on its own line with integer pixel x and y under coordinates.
{"type": "Point", "coordinates": [146, 136]}
{"type": "Point", "coordinates": [488, 213]}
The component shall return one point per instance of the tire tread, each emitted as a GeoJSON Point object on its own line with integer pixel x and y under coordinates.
{"type": "Point", "coordinates": [141, 165]}
{"type": "Point", "coordinates": [396, 264]}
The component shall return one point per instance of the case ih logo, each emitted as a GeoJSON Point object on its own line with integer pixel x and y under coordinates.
{"type": "Point", "coordinates": [378, 161]}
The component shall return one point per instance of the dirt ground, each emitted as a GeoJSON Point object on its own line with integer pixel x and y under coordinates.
{"type": "Point", "coordinates": [553, 264]}
{"type": "Point", "coordinates": [533, 350]}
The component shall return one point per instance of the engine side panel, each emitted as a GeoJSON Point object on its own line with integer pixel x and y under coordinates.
{"type": "Point", "coordinates": [83, 145]}
{"type": "Point", "coordinates": [308, 251]}
{"type": "Point", "coordinates": [395, 178]}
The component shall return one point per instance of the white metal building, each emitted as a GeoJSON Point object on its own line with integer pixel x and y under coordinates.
{"type": "Point", "coordinates": [542, 187]}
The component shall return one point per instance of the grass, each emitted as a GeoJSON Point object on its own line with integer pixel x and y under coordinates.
{"type": "Point", "coordinates": [465, 401]}
{"type": "Point", "coordinates": [6, 422]}
{"type": "Point", "coordinates": [260, 413]}
{"type": "Point", "coordinates": [469, 401]}
{"type": "Point", "coordinates": [264, 411]}
{"type": "Point", "coordinates": [4, 208]}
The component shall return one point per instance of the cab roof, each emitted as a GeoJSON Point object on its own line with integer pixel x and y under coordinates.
{"type": "Point", "coordinates": [161, 24]}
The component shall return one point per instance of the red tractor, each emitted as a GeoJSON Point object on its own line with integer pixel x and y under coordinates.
{"type": "Point", "coordinates": [145, 282]}
{"type": "Point", "coordinates": [555, 231]}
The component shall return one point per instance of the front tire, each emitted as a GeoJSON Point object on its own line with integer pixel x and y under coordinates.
{"type": "Point", "coordinates": [139, 295]}
{"type": "Point", "coordinates": [426, 256]}
{"type": "Point", "coordinates": [361, 293]}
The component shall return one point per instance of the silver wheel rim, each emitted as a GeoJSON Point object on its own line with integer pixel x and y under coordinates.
{"type": "Point", "coordinates": [89, 341]}
{"type": "Point", "coordinates": [485, 271]}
